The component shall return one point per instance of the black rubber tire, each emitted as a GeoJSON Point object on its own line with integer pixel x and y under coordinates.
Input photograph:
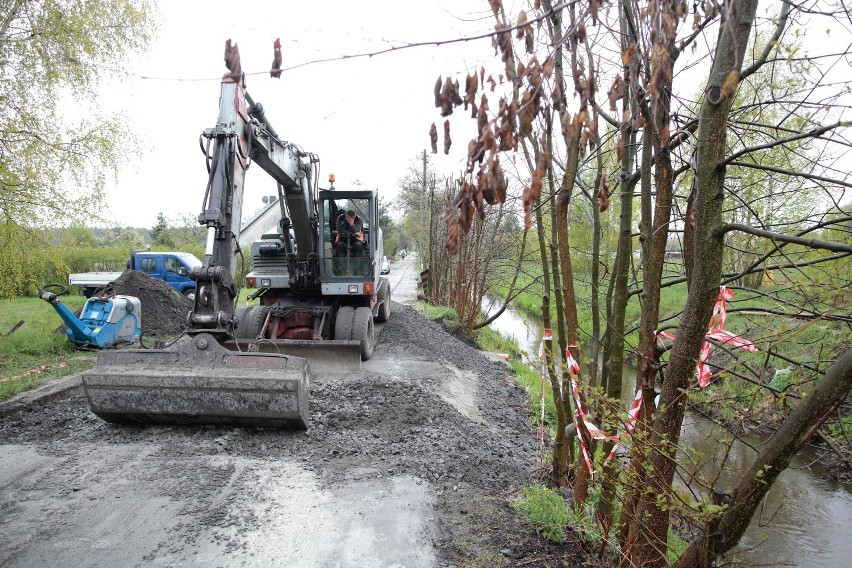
{"type": "Point", "coordinates": [343, 323]}
{"type": "Point", "coordinates": [241, 315]}
{"type": "Point", "coordinates": [251, 322]}
{"type": "Point", "coordinates": [384, 299]}
{"type": "Point", "coordinates": [190, 294]}
{"type": "Point", "coordinates": [364, 331]}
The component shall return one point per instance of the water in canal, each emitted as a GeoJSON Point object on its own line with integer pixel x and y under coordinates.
{"type": "Point", "coordinates": [806, 519]}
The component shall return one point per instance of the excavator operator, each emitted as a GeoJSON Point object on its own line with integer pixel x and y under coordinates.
{"type": "Point", "coordinates": [350, 235]}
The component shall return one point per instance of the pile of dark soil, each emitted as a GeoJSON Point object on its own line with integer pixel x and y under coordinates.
{"type": "Point", "coordinates": [163, 309]}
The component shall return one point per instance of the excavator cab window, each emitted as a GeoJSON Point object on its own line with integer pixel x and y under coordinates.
{"type": "Point", "coordinates": [346, 235]}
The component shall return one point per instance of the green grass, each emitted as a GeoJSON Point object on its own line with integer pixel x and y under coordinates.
{"type": "Point", "coordinates": [547, 510]}
{"type": "Point", "coordinates": [492, 341]}
{"type": "Point", "coordinates": [436, 312]}
{"type": "Point", "coordinates": [675, 547]}
{"type": "Point", "coordinates": [34, 346]}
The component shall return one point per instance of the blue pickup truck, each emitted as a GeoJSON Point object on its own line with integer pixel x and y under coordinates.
{"type": "Point", "coordinates": [173, 267]}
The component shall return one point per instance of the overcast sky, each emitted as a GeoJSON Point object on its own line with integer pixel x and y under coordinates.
{"type": "Point", "coordinates": [366, 117]}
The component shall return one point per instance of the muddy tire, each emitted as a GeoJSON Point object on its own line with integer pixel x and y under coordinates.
{"type": "Point", "coordinates": [190, 294]}
{"type": "Point", "coordinates": [251, 321]}
{"type": "Point", "coordinates": [384, 298]}
{"type": "Point", "coordinates": [363, 331]}
{"type": "Point", "coordinates": [241, 315]}
{"type": "Point", "coordinates": [343, 323]}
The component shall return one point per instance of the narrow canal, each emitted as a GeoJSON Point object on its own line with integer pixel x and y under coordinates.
{"type": "Point", "coordinates": [805, 519]}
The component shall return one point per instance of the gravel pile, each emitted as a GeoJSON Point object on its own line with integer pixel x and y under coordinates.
{"type": "Point", "coordinates": [398, 425]}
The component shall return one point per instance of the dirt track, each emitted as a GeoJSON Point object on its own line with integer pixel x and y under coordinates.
{"type": "Point", "coordinates": [409, 463]}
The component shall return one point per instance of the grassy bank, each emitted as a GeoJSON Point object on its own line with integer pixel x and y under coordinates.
{"type": "Point", "coordinates": [33, 354]}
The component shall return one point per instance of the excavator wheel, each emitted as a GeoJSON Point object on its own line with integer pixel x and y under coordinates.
{"type": "Point", "coordinates": [384, 298]}
{"type": "Point", "coordinates": [363, 331]}
{"type": "Point", "coordinates": [343, 325]}
{"type": "Point", "coordinates": [251, 323]}
{"type": "Point", "coordinates": [241, 315]}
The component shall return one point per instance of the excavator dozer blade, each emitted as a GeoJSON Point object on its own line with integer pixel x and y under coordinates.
{"type": "Point", "coordinates": [199, 382]}
{"type": "Point", "coordinates": [325, 356]}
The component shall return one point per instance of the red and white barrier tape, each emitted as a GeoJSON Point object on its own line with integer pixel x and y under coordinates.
{"type": "Point", "coordinates": [33, 372]}
{"type": "Point", "coordinates": [717, 331]}
{"type": "Point", "coordinates": [580, 417]}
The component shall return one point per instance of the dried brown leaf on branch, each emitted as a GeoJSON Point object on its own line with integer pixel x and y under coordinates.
{"type": "Point", "coordinates": [630, 55]}
{"type": "Point", "coordinates": [471, 86]}
{"type": "Point", "coordinates": [438, 84]}
{"type": "Point", "coordinates": [527, 207]}
{"type": "Point", "coordinates": [594, 6]}
{"type": "Point", "coordinates": [527, 113]}
{"type": "Point", "coordinates": [506, 131]}
{"type": "Point", "coordinates": [619, 152]}
{"type": "Point", "coordinates": [556, 96]}
{"type": "Point", "coordinates": [489, 194]}
{"type": "Point", "coordinates": [503, 40]}
{"type": "Point", "coordinates": [433, 138]}
{"type": "Point", "coordinates": [616, 92]}
{"type": "Point", "coordinates": [591, 127]}
{"type": "Point", "coordinates": [495, 7]}
{"type": "Point", "coordinates": [275, 73]}
{"type": "Point", "coordinates": [730, 85]}
{"type": "Point", "coordinates": [529, 40]}
{"type": "Point", "coordinates": [452, 235]}
{"type": "Point", "coordinates": [482, 117]}
{"type": "Point", "coordinates": [491, 181]}
{"type": "Point", "coordinates": [447, 140]}
{"type": "Point", "coordinates": [525, 31]}
{"type": "Point", "coordinates": [603, 195]}
{"type": "Point", "coordinates": [499, 179]}
{"type": "Point", "coordinates": [478, 200]}
{"type": "Point", "coordinates": [522, 19]}
{"type": "Point", "coordinates": [232, 60]}
{"type": "Point", "coordinates": [475, 153]}
{"type": "Point", "coordinates": [541, 166]}
{"type": "Point", "coordinates": [450, 96]}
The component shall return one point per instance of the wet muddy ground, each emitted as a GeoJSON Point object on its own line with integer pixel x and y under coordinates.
{"type": "Point", "coordinates": [412, 462]}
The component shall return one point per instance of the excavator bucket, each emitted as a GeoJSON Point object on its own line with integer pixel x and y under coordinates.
{"type": "Point", "coordinates": [324, 356]}
{"type": "Point", "coordinates": [199, 382]}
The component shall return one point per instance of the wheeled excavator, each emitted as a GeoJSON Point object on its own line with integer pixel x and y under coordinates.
{"type": "Point", "coordinates": [317, 294]}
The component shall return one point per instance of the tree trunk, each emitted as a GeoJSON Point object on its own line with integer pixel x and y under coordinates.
{"type": "Point", "coordinates": [706, 273]}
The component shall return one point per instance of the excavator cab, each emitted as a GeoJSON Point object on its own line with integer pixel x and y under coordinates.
{"type": "Point", "coordinates": [347, 249]}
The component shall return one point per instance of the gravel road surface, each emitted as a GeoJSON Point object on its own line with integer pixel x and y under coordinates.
{"type": "Point", "coordinates": [411, 462]}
